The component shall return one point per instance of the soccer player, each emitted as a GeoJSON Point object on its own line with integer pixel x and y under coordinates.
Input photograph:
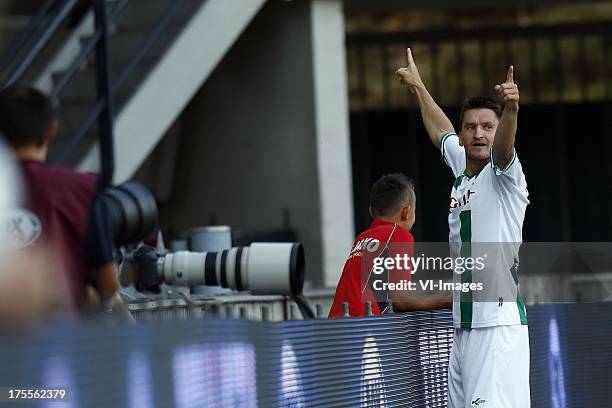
{"type": "Point", "coordinates": [489, 363]}
{"type": "Point", "coordinates": [392, 207]}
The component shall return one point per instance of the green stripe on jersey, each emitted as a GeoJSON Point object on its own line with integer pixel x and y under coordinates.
{"type": "Point", "coordinates": [521, 308]}
{"type": "Point", "coordinates": [466, 304]}
{"type": "Point", "coordinates": [458, 181]}
{"type": "Point", "coordinates": [520, 303]}
{"type": "Point", "coordinates": [446, 136]}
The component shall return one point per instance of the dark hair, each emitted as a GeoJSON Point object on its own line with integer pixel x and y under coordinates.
{"type": "Point", "coordinates": [390, 192]}
{"type": "Point", "coordinates": [480, 102]}
{"type": "Point", "coordinates": [25, 115]}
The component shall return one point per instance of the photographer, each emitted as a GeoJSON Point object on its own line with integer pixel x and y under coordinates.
{"type": "Point", "coordinates": [72, 217]}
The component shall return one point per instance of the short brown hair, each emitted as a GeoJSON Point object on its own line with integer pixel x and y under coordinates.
{"type": "Point", "coordinates": [480, 102]}
{"type": "Point", "coordinates": [389, 193]}
{"type": "Point", "coordinates": [25, 115]}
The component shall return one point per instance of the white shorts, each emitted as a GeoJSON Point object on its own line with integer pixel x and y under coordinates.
{"type": "Point", "coordinates": [489, 368]}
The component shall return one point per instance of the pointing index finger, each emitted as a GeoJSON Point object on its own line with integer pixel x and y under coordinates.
{"type": "Point", "coordinates": [409, 56]}
{"type": "Point", "coordinates": [510, 75]}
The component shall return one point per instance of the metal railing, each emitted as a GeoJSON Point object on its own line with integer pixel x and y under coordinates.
{"type": "Point", "coordinates": [30, 46]}
{"type": "Point", "coordinates": [245, 306]}
{"type": "Point", "coordinates": [100, 104]}
{"type": "Point", "coordinates": [20, 55]}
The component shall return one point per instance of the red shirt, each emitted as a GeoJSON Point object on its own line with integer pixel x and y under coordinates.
{"type": "Point", "coordinates": [354, 286]}
{"type": "Point", "coordinates": [62, 199]}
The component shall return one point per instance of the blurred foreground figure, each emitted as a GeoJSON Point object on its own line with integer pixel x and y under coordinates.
{"type": "Point", "coordinates": [64, 213]}
{"type": "Point", "coordinates": [28, 291]}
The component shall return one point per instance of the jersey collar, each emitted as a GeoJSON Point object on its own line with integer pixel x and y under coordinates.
{"type": "Point", "coordinates": [465, 173]}
{"type": "Point", "coordinates": [379, 222]}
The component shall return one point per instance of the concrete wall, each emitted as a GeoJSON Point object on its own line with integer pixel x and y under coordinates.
{"type": "Point", "coordinates": [246, 147]}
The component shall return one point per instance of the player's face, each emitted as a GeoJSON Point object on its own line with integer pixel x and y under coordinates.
{"type": "Point", "coordinates": [478, 132]}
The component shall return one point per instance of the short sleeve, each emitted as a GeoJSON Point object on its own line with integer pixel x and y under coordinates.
{"type": "Point", "coordinates": [511, 175]}
{"type": "Point", "coordinates": [453, 153]}
{"type": "Point", "coordinates": [510, 170]}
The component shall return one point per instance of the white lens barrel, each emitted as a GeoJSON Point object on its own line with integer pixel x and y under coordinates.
{"type": "Point", "coordinates": [262, 268]}
{"type": "Point", "coordinates": [184, 268]}
{"type": "Point", "coordinates": [230, 268]}
{"type": "Point", "coordinates": [271, 268]}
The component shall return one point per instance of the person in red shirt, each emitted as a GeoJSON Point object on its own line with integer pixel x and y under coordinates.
{"type": "Point", "coordinates": [392, 207]}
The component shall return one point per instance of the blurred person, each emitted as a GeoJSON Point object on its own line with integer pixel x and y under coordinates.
{"type": "Point", "coordinates": [65, 202]}
{"type": "Point", "coordinates": [10, 194]}
{"type": "Point", "coordinates": [28, 291]}
{"type": "Point", "coordinates": [392, 208]}
{"type": "Point", "coordinates": [489, 363]}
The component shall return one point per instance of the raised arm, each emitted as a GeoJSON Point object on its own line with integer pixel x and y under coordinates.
{"type": "Point", "coordinates": [436, 122]}
{"type": "Point", "coordinates": [503, 144]}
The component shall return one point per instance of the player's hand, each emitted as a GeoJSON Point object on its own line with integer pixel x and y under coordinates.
{"type": "Point", "coordinates": [508, 91]}
{"type": "Point", "coordinates": [410, 74]}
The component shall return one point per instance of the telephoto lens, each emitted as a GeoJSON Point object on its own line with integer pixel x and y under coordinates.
{"type": "Point", "coordinates": [132, 211]}
{"type": "Point", "coordinates": [261, 268]}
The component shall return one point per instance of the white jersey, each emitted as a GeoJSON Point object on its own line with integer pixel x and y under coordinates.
{"type": "Point", "coordinates": [486, 209]}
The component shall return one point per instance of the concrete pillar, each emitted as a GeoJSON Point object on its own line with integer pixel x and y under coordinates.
{"type": "Point", "coordinates": [267, 134]}
{"type": "Point", "coordinates": [333, 136]}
